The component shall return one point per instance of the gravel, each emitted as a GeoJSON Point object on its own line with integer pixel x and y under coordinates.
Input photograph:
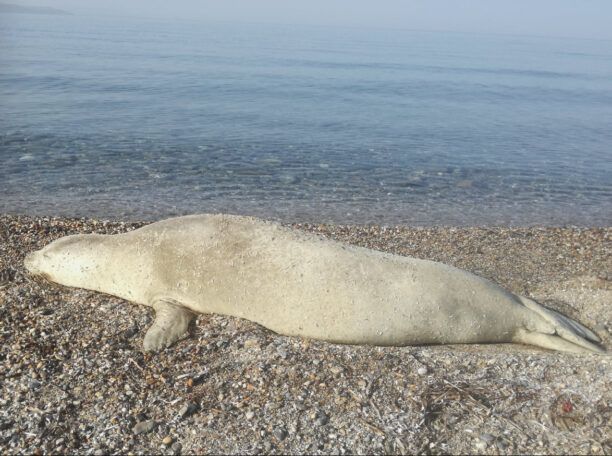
{"type": "Point", "coordinates": [74, 378]}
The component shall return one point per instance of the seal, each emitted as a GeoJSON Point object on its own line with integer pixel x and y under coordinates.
{"type": "Point", "coordinates": [298, 284]}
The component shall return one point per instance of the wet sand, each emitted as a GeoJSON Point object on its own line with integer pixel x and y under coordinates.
{"type": "Point", "coordinates": [74, 379]}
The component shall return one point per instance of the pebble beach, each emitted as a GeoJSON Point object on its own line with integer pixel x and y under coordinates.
{"type": "Point", "coordinates": [74, 377]}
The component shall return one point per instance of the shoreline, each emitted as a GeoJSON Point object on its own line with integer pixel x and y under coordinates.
{"type": "Point", "coordinates": [75, 379]}
{"type": "Point", "coordinates": [385, 217]}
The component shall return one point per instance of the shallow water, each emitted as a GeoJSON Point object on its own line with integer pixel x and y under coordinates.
{"type": "Point", "coordinates": [146, 119]}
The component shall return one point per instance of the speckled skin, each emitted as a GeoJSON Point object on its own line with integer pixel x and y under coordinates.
{"type": "Point", "coordinates": [298, 284]}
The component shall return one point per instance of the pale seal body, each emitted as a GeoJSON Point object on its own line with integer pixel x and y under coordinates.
{"type": "Point", "coordinates": [299, 284]}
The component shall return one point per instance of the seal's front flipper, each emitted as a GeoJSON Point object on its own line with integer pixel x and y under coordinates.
{"type": "Point", "coordinates": [171, 322]}
{"type": "Point", "coordinates": [551, 329]}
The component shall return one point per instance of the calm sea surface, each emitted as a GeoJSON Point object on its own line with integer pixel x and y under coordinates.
{"type": "Point", "coordinates": [146, 119]}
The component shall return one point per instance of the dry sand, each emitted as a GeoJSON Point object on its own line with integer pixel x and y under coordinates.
{"type": "Point", "coordinates": [74, 379]}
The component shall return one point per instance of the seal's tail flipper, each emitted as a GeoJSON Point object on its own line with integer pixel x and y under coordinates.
{"type": "Point", "coordinates": [556, 331]}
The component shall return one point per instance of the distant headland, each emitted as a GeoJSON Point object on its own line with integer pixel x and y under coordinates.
{"type": "Point", "coordinates": [20, 9]}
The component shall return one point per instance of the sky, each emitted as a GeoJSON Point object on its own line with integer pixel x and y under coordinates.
{"type": "Point", "coordinates": [565, 18]}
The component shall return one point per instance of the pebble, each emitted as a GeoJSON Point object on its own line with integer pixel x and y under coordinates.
{"type": "Point", "coordinates": [130, 332]}
{"type": "Point", "coordinates": [299, 405]}
{"type": "Point", "coordinates": [321, 419]}
{"type": "Point", "coordinates": [501, 445]}
{"type": "Point", "coordinates": [282, 352]}
{"type": "Point", "coordinates": [251, 343]}
{"type": "Point", "coordinates": [6, 276]}
{"type": "Point", "coordinates": [167, 440]}
{"type": "Point", "coordinates": [4, 425]}
{"type": "Point", "coordinates": [249, 415]}
{"type": "Point", "coordinates": [279, 433]}
{"type": "Point", "coordinates": [422, 371]}
{"type": "Point", "coordinates": [487, 438]}
{"type": "Point", "coordinates": [480, 445]}
{"type": "Point", "coordinates": [336, 370]}
{"type": "Point", "coordinates": [187, 410]}
{"type": "Point", "coordinates": [144, 427]}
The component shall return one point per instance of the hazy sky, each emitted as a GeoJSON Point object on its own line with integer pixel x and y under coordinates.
{"type": "Point", "coordinates": [571, 18]}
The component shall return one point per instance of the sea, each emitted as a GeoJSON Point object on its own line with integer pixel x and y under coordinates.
{"type": "Point", "coordinates": [141, 119]}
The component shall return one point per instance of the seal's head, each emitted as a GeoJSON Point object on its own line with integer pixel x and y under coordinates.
{"type": "Point", "coordinates": [69, 260]}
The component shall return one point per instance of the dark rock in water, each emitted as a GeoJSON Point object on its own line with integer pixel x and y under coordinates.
{"type": "Point", "coordinates": [288, 179]}
{"type": "Point", "coordinates": [465, 183]}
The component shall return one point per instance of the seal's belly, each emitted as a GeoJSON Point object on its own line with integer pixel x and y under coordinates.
{"type": "Point", "coordinates": [345, 297]}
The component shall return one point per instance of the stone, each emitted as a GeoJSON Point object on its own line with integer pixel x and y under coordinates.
{"type": "Point", "coordinates": [4, 425]}
{"type": "Point", "coordinates": [187, 410]}
{"type": "Point", "coordinates": [176, 447]}
{"type": "Point", "coordinates": [336, 370]}
{"type": "Point", "coordinates": [480, 445]}
{"type": "Point", "coordinates": [144, 427]}
{"type": "Point", "coordinates": [299, 405]}
{"type": "Point", "coordinates": [251, 343]}
{"type": "Point", "coordinates": [167, 440]}
{"type": "Point", "coordinates": [282, 352]}
{"type": "Point", "coordinates": [487, 438]}
{"type": "Point", "coordinates": [279, 433]}
{"type": "Point", "coordinates": [131, 332]}
{"type": "Point", "coordinates": [321, 419]}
